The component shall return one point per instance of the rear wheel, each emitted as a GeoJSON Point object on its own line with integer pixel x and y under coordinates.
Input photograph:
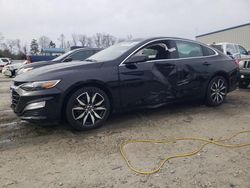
{"type": "Point", "coordinates": [216, 91]}
{"type": "Point", "coordinates": [87, 108]}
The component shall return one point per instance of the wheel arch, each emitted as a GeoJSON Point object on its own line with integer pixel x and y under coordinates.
{"type": "Point", "coordinates": [223, 74]}
{"type": "Point", "coordinates": [81, 84]}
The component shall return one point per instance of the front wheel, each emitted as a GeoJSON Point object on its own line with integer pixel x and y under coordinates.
{"type": "Point", "coordinates": [87, 108]}
{"type": "Point", "coordinates": [216, 91]}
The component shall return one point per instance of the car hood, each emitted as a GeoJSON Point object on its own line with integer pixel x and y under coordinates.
{"type": "Point", "coordinates": [38, 64]}
{"type": "Point", "coordinates": [56, 71]}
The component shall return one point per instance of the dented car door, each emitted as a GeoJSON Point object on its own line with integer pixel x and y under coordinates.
{"type": "Point", "coordinates": [152, 82]}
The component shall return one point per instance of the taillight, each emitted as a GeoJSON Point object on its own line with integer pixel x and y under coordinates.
{"type": "Point", "coordinates": [237, 62]}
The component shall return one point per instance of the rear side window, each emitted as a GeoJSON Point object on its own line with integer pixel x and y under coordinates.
{"type": "Point", "coordinates": [231, 49]}
{"type": "Point", "coordinates": [207, 51]}
{"type": "Point", "coordinates": [188, 49]}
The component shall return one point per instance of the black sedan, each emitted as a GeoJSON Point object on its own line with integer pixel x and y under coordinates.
{"type": "Point", "coordinates": [128, 75]}
{"type": "Point", "coordinates": [78, 54]}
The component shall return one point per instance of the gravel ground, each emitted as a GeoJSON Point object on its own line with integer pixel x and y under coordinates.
{"type": "Point", "coordinates": [56, 156]}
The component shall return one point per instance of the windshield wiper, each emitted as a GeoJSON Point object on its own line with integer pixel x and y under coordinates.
{"type": "Point", "coordinates": [90, 60]}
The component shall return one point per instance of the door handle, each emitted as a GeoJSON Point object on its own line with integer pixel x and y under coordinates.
{"type": "Point", "coordinates": [206, 63]}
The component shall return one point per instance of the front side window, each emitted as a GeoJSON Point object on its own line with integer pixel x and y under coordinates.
{"type": "Point", "coordinates": [188, 49]}
{"type": "Point", "coordinates": [243, 51]}
{"type": "Point", "coordinates": [156, 51]}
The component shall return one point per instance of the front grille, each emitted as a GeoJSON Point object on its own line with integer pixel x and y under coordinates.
{"type": "Point", "coordinates": [14, 99]}
{"type": "Point", "coordinates": [246, 65]}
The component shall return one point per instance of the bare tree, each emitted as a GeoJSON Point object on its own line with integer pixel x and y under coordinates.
{"type": "Point", "coordinates": [44, 42]}
{"type": "Point", "coordinates": [98, 40]}
{"type": "Point", "coordinates": [11, 44]}
{"type": "Point", "coordinates": [1, 39]}
{"type": "Point", "coordinates": [61, 39]}
{"type": "Point", "coordinates": [24, 49]}
{"type": "Point", "coordinates": [68, 45]}
{"type": "Point", "coordinates": [89, 42]}
{"type": "Point", "coordinates": [108, 40]}
{"type": "Point", "coordinates": [18, 45]}
{"type": "Point", "coordinates": [83, 39]}
{"type": "Point", "coordinates": [74, 39]}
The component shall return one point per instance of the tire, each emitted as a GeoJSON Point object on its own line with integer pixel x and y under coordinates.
{"type": "Point", "coordinates": [87, 108]}
{"type": "Point", "coordinates": [216, 91]}
{"type": "Point", "coordinates": [243, 84]}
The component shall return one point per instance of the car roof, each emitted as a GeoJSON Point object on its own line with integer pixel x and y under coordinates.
{"type": "Point", "coordinates": [221, 43]}
{"type": "Point", "coordinates": [85, 48]}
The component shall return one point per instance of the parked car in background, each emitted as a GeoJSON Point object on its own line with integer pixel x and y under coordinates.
{"type": "Point", "coordinates": [242, 57]}
{"type": "Point", "coordinates": [73, 55]}
{"type": "Point", "coordinates": [235, 51]}
{"type": "Point", "coordinates": [244, 81]}
{"type": "Point", "coordinates": [132, 74]}
{"type": "Point", "coordinates": [3, 62]}
{"type": "Point", "coordinates": [10, 69]}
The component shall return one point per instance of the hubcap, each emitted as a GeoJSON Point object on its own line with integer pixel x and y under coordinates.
{"type": "Point", "coordinates": [89, 109]}
{"type": "Point", "coordinates": [218, 91]}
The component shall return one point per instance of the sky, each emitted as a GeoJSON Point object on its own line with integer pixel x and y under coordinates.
{"type": "Point", "coordinates": [27, 19]}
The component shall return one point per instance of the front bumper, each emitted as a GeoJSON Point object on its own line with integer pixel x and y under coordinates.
{"type": "Point", "coordinates": [245, 75]}
{"type": "Point", "coordinates": [21, 101]}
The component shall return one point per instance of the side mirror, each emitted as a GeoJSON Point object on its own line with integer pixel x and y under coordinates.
{"type": "Point", "coordinates": [68, 59]}
{"type": "Point", "coordinates": [137, 59]}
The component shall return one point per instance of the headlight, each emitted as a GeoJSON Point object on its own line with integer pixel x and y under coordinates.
{"type": "Point", "coordinates": [23, 70]}
{"type": "Point", "coordinates": [41, 85]}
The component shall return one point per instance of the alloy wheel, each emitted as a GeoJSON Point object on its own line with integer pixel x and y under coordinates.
{"type": "Point", "coordinates": [89, 109]}
{"type": "Point", "coordinates": [218, 91]}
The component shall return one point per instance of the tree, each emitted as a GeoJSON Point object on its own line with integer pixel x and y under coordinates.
{"type": "Point", "coordinates": [98, 40]}
{"type": "Point", "coordinates": [61, 39]}
{"type": "Point", "coordinates": [83, 39]}
{"type": "Point", "coordinates": [89, 42]}
{"type": "Point", "coordinates": [108, 40]}
{"type": "Point", "coordinates": [1, 40]}
{"type": "Point", "coordinates": [74, 39]}
{"type": "Point", "coordinates": [102, 40]}
{"type": "Point", "coordinates": [44, 42]}
{"type": "Point", "coordinates": [34, 47]}
{"type": "Point", "coordinates": [24, 49]}
{"type": "Point", "coordinates": [11, 44]}
{"type": "Point", "coordinates": [52, 44]}
{"type": "Point", "coordinates": [18, 45]}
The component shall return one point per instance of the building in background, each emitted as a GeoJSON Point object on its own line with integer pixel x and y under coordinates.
{"type": "Point", "coordinates": [238, 34]}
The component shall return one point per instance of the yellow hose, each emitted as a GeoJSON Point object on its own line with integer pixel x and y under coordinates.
{"type": "Point", "coordinates": [163, 161]}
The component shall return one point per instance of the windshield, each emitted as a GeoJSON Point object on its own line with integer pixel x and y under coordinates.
{"type": "Point", "coordinates": [112, 52]}
{"type": "Point", "coordinates": [5, 60]}
{"type": "Point", "coordinates": [59, 58]}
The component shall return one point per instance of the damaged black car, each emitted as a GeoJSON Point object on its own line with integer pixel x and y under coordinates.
{"type": "Point", "coordinates": [142, 73]}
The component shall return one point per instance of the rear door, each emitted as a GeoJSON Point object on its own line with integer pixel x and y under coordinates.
{"type": "Point", "coordinates": [153, 81]}
{"type": "Point", "coordinates": [193, 67]}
